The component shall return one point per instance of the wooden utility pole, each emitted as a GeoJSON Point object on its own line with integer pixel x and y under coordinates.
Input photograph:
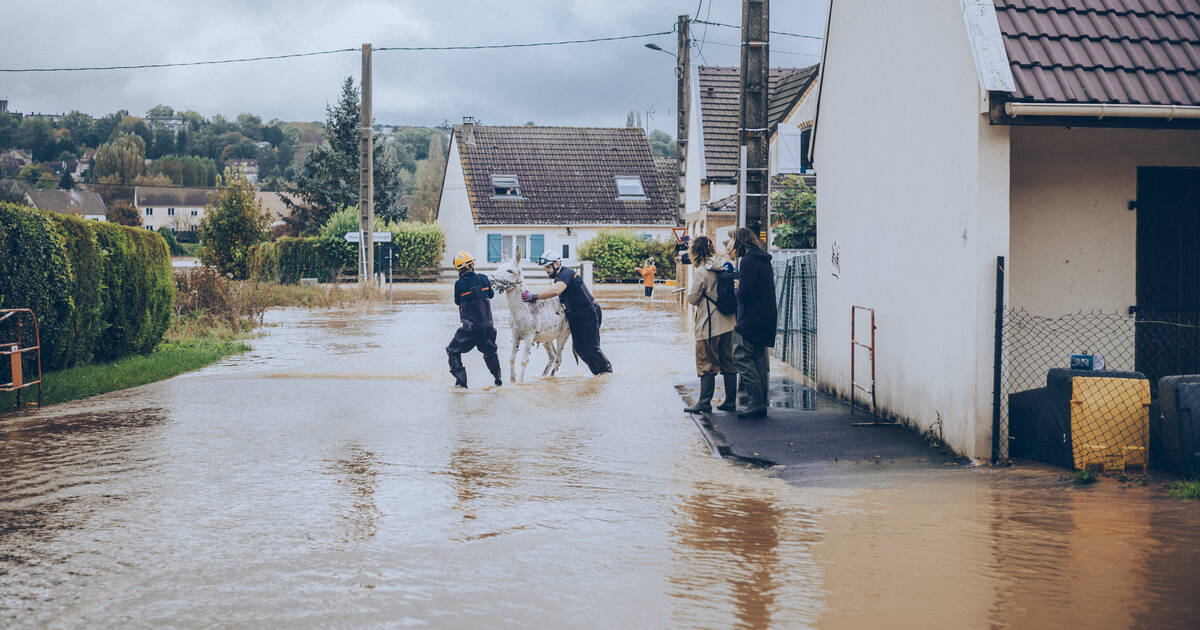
{"type": "Point", "coordinates": [366, 175]}
{"type": "Point", "coordinates": [755, 83]}
{"type": "Point", "coordinates": [683, 106]}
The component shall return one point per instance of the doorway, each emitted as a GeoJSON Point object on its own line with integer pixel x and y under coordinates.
{"type": "Point", "coordinates": [1168, 272]}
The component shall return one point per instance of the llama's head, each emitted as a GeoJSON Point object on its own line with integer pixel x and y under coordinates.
{"type": "Point", "coordinates": [506, 276]}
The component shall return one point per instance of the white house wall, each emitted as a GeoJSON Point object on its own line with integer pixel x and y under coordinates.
{"type": "Point", "coordinates": [556, 236]}
{"type": "Point", "coordinates": [1074, 240]}
{"type": "Point", "coordinates": [914, 210]}
{"type": "Point", "coordinates": [695, 148]}
{"type": "Point", "coordinates": [454, 210]}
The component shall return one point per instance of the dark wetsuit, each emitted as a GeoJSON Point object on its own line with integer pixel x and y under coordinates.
{"type": "Point", "coordinates": [584, 318]}
{"type": "Point", "coordinates": [473, 294]}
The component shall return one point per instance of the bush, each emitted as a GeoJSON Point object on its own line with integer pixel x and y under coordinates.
{"type": "Point", "coordinates": [205, 294]}
{"type": "Point", "coordinates": [36, 274]}
{"type": "Point", "coordinates": [234, 221]}
{"type": "Point", "coordinates": [86, 322]}
{"type": "Point", "coordinates": [794, 208]}
{"type": "Point", "coordinates": [617, 254]}
{"type": "Point", "coordinates": [100, 291]}
{"type": "Point", "coordinates": [139, 290]}
{"type": "Point", "coordinates": [173, 245]}
{"type": "Point", "coordinates": [289, 259]}
{"type": "Point", "coordinates": [415, 247]}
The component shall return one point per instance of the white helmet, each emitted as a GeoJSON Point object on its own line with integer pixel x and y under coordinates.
{"type": "Point", "coordinates": [549, 258]}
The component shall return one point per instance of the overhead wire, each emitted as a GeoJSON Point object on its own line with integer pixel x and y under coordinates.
{"type": "Point", "coordinates": [785, 33]}
{"type": "Point", "coordinates": [339, 50]}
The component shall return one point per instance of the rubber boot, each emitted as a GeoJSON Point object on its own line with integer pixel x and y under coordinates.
{"type": "Point", "coordinates": [493, 365]}
{"type": "Point", "coordinates": [756, 407]}
{"type": "Point", "coordinates": [704, 402]}
{"type": "Point", "coordinates": [730, 403]}
{"type": "Point", "coordinates": [460, 377]}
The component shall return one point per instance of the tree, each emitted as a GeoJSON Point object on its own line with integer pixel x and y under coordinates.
{"type": "Point", "coordinates": [160, 111]}
{"type": "Point", "coordinates": [330, 177]}
{"type": "Point", "coordinates": [120, 161]}
{"type": "Point", "coordinates": [30, 173]}
{"type": "Point", "coordinates": [122, 213]}
{"type": "Point", "coordinates": [9, 123]}
{"type": "Point", "coordinates": [135, 126]}
{"type": "Point", "coordinates": [233, 222]}
{"type": "Point", "coordinates": [36, 135]}
{"type": "Point", "coordinates": [66, 182]}
{"type": "Point", "coordinates": [429, 182]}
{"type": "Point", "coordinates": [661, 144]}
{"type": "Point", "coordinates": [164, 143]}
{"type": "Point", "coordinates": [794, 210]}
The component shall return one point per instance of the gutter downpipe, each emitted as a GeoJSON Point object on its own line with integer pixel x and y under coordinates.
{"type": "Point", "coordinates": [1101, 110]}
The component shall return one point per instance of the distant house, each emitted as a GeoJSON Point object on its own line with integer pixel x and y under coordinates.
{"type": "Point", "coordinates": [1064, 136]}
{"type": "Point", "coordinates": [541, 188]}
{"type": "Point", "coordinates": [249, 168]}
{"type": "Point", "coordinates": [13, 161]}
{"type": "Point", "coordinates": [793, 109]}
{"type": "Point", "coordinates": [174, 123]}
{"type": "Point", "coordinates": [176, 207]}
{"type": "Point", "coordinates": [181, 208]}
{"type": "Point", "coordinates": [81, 203]}
{"type": "Point", "coordinates": [714, 152]}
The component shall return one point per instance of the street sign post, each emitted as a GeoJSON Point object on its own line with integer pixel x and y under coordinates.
{"type": "Point", "coordinates": [378, 237]}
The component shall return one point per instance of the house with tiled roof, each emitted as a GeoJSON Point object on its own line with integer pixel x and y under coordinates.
{"type": "Point", "coordinates": [548, 188]}
{"type": "Point", "coordinates": [712, 172]}
{"type": "Point", "coordinates": [1062, 136]}
{"type": "Point", "coordinates": [84, 204]}
{"type": "Point", "coordinates": [181, 208]}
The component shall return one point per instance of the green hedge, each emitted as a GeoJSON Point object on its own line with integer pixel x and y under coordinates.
{"type": "Point", "coordinates": [617, 254]}
{"type": "Point", "coordinates": [101, 291]}
{"type": "Point", "coordinates": [416, 246]}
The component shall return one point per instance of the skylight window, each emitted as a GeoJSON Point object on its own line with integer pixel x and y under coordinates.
{"type": "Point", "coordinates": [629, 187]}
{"type": "Point", "coordinates": [505, 186]}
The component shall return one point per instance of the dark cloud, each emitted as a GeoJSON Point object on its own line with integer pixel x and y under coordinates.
{"type": "Point", "coordinates": [589, 84]}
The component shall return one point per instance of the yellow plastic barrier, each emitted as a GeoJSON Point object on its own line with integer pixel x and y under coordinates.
{"type": "Point", "coordinates": [1110, 421]}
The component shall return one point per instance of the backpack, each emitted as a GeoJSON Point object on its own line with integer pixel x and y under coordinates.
{"type": "Point", "coordinates": [726, 301]}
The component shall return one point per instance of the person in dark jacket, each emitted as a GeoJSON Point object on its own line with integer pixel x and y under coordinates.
{"type": "Point", "coordinates": [756, 319]}
{"type": "Point", "coordinates": [472, 294]}
{"type": "Point", "coordinates": [583, 313]}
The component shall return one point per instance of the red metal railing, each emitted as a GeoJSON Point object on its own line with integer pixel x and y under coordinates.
{"type": "Point", "coordinates": [855, 344]}
{"type": "Point", "coordinates": [16, 352]}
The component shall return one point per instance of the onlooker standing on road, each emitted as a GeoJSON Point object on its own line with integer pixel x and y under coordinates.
{"type": "Point", "coordinates": [714, 329]}
{"type": "Point", "coordinates": [647, 270]}
{"type": "Point", "coordinates": [756, 319]}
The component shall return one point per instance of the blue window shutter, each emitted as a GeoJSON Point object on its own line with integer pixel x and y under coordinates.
{"type": "Point", "coordinates": [493, 247]}
{"type": "Point", "coordinates": [537, 245]}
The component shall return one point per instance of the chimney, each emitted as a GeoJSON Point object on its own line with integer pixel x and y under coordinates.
{"type": "Point", "coordinates": [468, 126]}
{"type": "Point", "coordinates": [3, 106]}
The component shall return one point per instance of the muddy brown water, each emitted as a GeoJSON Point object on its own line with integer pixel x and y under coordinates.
{"type": "Point", "coordinates": [332, 477]}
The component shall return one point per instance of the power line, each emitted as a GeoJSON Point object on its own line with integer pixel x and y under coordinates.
{"type": "Point", "coordinates": [186, 63]}
{"type": "Point", "coordinates": [816, 37]}
{"type": "Point", "coordinates": [341, 50]}
{"type": "Point", "coordinates": [773, 50]}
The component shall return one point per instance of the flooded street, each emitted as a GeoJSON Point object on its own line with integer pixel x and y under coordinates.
{"type": "Point", "coordinates": [332, 477]}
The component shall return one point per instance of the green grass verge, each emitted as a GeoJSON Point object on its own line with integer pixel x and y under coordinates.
{"type": "Point", "coordinates": [172, 357]}
{"type": "Point", "coordinates": [1184, 490]}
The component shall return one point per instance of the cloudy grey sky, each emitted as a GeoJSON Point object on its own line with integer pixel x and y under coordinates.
{"type": "Point", "coordinates": [585, 84]}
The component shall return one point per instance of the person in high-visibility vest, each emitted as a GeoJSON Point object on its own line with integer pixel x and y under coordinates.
{"type": "Point", "coordinates": [647, 271]}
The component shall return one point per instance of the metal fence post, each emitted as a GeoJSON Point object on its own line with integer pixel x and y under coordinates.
{"type": "Point", "coordinates": [997, 362]}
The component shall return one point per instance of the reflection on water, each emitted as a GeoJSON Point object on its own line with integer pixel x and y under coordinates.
{"type": "Point", "coordinates": [333, 477]}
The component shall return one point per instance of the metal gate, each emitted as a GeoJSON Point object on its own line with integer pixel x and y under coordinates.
{"type": "Point", "coordinates": [796, 300]}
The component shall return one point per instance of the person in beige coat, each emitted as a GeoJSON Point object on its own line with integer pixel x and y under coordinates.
{"type": "Point", "coordinates": [714, 329]}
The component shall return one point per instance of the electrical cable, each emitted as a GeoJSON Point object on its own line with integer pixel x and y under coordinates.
{"type": "Point", "coordinates": [339, 50]}
{"type": "Point", "coordinates": [816, 37]}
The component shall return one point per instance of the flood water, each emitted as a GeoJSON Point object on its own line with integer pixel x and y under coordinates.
{"type": "Point", "coordinates": [332, 477]}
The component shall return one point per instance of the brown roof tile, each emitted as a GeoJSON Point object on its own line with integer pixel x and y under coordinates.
{"type": "Point", "coordinates": [1144, 52]}
{"type": "Point", "coordinates": [175, 196]}
{"type": "Point", "coordinates": [787, 93]}
{"type": "Point", "coordinates": [668, 179]}
{"type": "Point", "coordinates": [719, 99]}
{"type": "Point", "coordinates": [77, 202]}
{"type": "Point", "coordinates": [565, 175]}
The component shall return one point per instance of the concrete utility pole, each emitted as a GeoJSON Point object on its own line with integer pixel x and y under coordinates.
{"type": "Point", "coordinates": [683, 106]}
{"type": "Point", "coordinates": [755, 82]}
{"type": "Point", "coordinates": [366, 174]}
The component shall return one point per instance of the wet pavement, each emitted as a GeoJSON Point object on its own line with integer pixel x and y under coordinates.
{"type": "Point", "coordinates": [332, 477]}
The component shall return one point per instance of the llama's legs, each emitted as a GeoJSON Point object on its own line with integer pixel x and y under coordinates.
{"type": "Point", "coordinates": [525, 357]}
{"type": "Point", "coordinates": [512, 358]}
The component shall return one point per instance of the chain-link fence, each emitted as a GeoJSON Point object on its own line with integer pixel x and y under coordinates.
{"type": "Point", "coordinates": [1077, 390]}
{"type": "Point", "coordinates": [796, 299]}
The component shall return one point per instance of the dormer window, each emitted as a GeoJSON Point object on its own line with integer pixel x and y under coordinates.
{"type": "Point", "coordinates": [630, 188]}
{"type": "Point", "coordinates": [505, 186]}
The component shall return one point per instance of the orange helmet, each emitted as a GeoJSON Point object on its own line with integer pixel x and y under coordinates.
{"type": "Point", "coordinates": [464, 261]}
